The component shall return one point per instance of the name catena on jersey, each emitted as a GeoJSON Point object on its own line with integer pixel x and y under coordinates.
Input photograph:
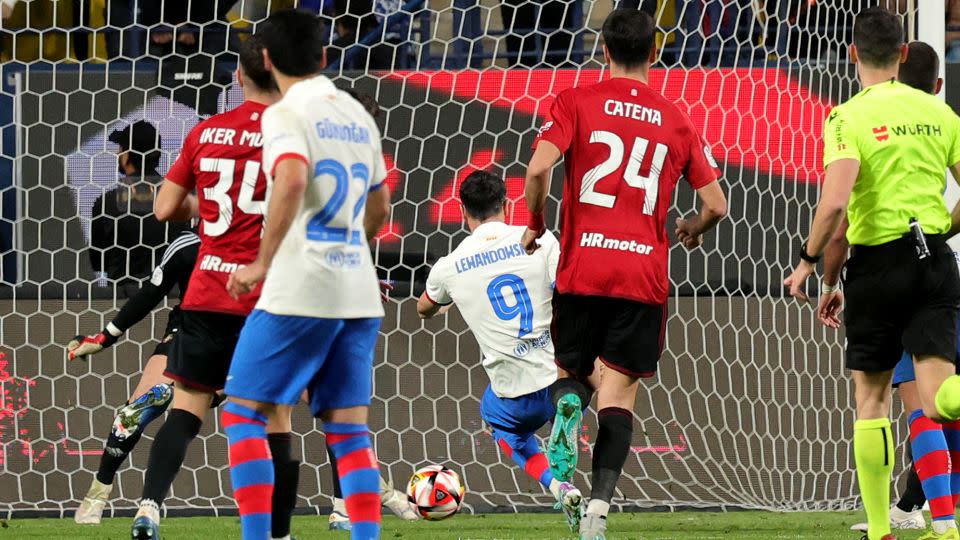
{"type": "Point", "coordinates": [504, 296]}
{"type": "Point", "coordinates": [323, 267]}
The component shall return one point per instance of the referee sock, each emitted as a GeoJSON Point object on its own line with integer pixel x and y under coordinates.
{"type": "Point", "coordinates": [947, 399]}
{"type": "Point", "coordinates": [951, 433]}
{"type": "Point", "coordinates": [359, 477]}
{"type": "Point", "coordinates": [251, 468]}
{"type": "Point", "coordinates": [932, 460]}
{"type": "Point", "coordinates": [286, 475]}
{"type": "Point", "coordinates": [337, 493]}
{"type": "Point", "coordinates": [529, 458]}
{"type": "Point", "coordinates": [873, 451]}
{"type": "Point", "coordinates": [912, 498]}
{"type": "Point", "coordinates": [610, 451]}
{"type": "Point", "coordinates": [167, 453]}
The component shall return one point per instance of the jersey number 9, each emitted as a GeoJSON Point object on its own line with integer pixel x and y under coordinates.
{"type": "Point", "coordinates": [523, 307]}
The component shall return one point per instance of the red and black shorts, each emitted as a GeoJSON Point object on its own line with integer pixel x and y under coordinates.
{"type": "Point", "coordinates": [626, 335]}
{"type": "Point", "coordinates": [200, 354]}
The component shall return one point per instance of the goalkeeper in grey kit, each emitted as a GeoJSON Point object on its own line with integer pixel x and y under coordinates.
{"type": "Point", "coordinates": [153, 392]}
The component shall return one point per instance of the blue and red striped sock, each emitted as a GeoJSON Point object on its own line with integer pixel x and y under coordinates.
{"type": "Point", "coordinates": [359, 477]}
{"type": "Point", "coordinates": [951, 432]}
{"type": "Point", "coordinates": [931, 458]}
{"type": "Point", "coordinates": [251, 468]}
{"type": "Point", "coordinates": [530, 459]}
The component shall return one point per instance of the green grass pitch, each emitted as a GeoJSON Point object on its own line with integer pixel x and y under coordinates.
{"type": "Point", "coordinates": [641, 526]}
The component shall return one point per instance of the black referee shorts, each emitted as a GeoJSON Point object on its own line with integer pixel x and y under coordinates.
{"type": "Point", "coordinates": [626, 335]}
{"type": "Point", "coordinates": [897, 302]}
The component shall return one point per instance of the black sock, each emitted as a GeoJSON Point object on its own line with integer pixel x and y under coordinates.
{"type": "Point", "coordinates": [286, 475]}
{"type": "Point", "coordinates": [167, 453]}
{"type": "Point", "coordinates": [567, 385]}
{"type": "Point", "coordinates": [610, 451]}
{"type": "Point", "coordinates": [912, 497]}
{"type": "Point", "coordinates": [337, 494]}
{"type": "Point", "coordinates": [114, 454]}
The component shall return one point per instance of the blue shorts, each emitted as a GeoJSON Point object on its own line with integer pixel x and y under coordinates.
{"type": "Point", "coordinates": [904, 372]}
{"type": "Point", "coordinates": [280, 356]}
{"type": "Point", "coordinates": [516, 419]}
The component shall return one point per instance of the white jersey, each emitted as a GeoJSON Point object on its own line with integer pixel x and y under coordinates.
{"type": "Point", "coordinates": [505, 297]}
{"type": "Point", "coordinates": [323, 267]}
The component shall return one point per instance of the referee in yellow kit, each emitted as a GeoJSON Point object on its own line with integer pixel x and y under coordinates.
{"type": "Point", "coordinates": [886, 151]}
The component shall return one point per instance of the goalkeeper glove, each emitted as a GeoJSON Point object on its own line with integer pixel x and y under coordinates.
{"type": "Point", "coordinates": [83, 346]}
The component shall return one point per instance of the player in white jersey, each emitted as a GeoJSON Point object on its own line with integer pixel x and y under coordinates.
{"type": "Point", "coordinates": [316, 323]}
{"type": "Point", "coordinates": [505, 297]}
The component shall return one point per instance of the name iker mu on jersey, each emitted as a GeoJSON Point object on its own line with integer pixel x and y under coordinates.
{"type": "Point", "coordinates": [599, 240]}
{"type": "Point", "coordinates": [226, 137]}
{"type": "Point", "coordinates": [351, 133]}
{"type": "Point", "coordinates": [480, 260]}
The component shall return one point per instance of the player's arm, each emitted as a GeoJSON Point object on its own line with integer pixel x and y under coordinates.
{"type": "Point", "coordinates": [536, 189]}
{"type": "Point", "coordinates": [289, 186]}
{"type": "Point", "coordinates": [377, 210]}
{"type": "Point", "coordinates": [831, 297]}
{"type": "Point", "coordinates": [426, 309]}
{"type": "Point", "coordinates": [175, 202]}
{"type": "Point", "coordinates": [435, 296]}
{"type": "Point", "coordinates": [713, 208]}
{"type": "Point", "coordinates": [177, 261]}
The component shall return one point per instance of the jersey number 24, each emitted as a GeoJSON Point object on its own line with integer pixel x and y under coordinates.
{"type": "Point", "coordinates": [631, 174]}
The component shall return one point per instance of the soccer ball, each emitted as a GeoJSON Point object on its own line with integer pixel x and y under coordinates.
{"type": "Point", "coordinates": [435, 492]}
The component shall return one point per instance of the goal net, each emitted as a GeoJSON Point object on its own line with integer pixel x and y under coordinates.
{"type": "Point", "coordinates": [751, 407]}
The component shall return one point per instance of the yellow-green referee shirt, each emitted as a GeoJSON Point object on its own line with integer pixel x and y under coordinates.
{"type": "Point", "coordinates": [904, 140]}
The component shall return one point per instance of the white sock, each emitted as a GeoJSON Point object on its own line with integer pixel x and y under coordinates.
{"type": "Point", "coordinates": [555, 487]}
{"type": "Point", "coordinates": [941, 526]}
{"type": "Point", "coordinates": [340, 506]}
{"type": "Point", "coordinates": [287, 537]}
{"type": "Point", "coordinates": [150, 509]}
{"type": "Point", "coordinates": [598, 507]}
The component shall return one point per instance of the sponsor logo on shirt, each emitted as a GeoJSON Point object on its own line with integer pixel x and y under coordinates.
{"type": "Point", "coordinates": [213, 263]}
{"type": "Point", "coordinates": [917, 129]}
{"type": "Point", "coordinates": [351, 133]}
{"type": "Point", "coordinates": [633, 110]}
{"type": "Point", "coordinates": [480, 260]}
{"type": "Point", "coordinates": [599, 240]}
{"type": "Point", "coordinates": [881, 133]}
{"type": "Point", "coordinates": [524, 347]}
{"type": "Point", "coordinates": [544, 128]}
{"type": "Point", "coordinates": [338, 258]}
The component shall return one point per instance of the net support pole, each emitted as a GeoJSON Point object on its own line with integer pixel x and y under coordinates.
{"type": "Point", "coordinates": [932, 29]}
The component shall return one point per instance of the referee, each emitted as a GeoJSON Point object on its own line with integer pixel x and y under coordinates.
{"type": "Point", "coordinates": [885, 153]}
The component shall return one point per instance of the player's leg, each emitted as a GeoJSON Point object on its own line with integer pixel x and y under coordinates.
{"type": "Point", "coordinates": [286, 474]}
{"type": "Point", "coordinates": [908, 512]}
{"type": "Point", "coordinates": [578, 331]}
{"type": "Point", "coordinates": [873, 448]}
{"type": "Point", "coordinates": [340, 396]}
{"type": "Point", "coordinates": [149, 400]}
{"type": "Point", "coordinates": [338, 520]}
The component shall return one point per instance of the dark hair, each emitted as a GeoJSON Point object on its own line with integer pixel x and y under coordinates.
{"type": "Point", "coordinates": [878, 35]}
{"type": "Point", "coordinates": [365, 99]}
{"type": "Point", "coordinates": [142, 144]}
{"type": "Point", "coordinates": [629, 36]}
{"type": "Point", "coordinates": [251, 62]}
{"type": "Point", "coordinates": [294, 41]}
{"type": "Point", "coordinates": [483, 194]}
{"type": "Point", "coordinates": [922, 68]}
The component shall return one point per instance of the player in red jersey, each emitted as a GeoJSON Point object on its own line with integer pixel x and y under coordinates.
{"type": "Point", "coordinates": [625, 147]}
{"type": "Point", "coordinates": [220, 158]}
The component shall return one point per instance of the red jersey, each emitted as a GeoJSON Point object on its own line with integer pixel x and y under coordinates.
{"type": "Point", "coordinates": [625, 148]}
{"type": "Point", "coordinates": [221, 159]}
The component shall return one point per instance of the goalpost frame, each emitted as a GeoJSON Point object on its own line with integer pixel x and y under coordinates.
{"type": "Point", "coordinates": [932, 29]}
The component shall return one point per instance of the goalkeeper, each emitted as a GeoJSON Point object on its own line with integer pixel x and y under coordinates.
{"type": "Point", "coordinates": [153, 392]}
{"type": "Point", "coordinates": [885, 152]}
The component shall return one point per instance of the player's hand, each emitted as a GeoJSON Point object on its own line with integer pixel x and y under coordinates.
{"type": "Point", "coordinates": [797, 281]}
{"type": "Point", "coordinates": [830, 308]}
{"type": "Point", "coordinates": [245, 279]}
{"type": "Point", "coordinates": [529, 240]}
{"type": "Point", "coordinates": [385, 288]}
{"type": "Point", "coordinates": [687, 233]}
{"type": "Point", "coordinates": [83, 346]}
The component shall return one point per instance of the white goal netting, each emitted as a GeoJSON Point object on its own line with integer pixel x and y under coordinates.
{"type": "Point", "coordinates": [751, 408]}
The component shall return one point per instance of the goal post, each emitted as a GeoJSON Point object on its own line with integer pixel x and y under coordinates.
{"type": "Point", "coordinates": [751, 407]}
